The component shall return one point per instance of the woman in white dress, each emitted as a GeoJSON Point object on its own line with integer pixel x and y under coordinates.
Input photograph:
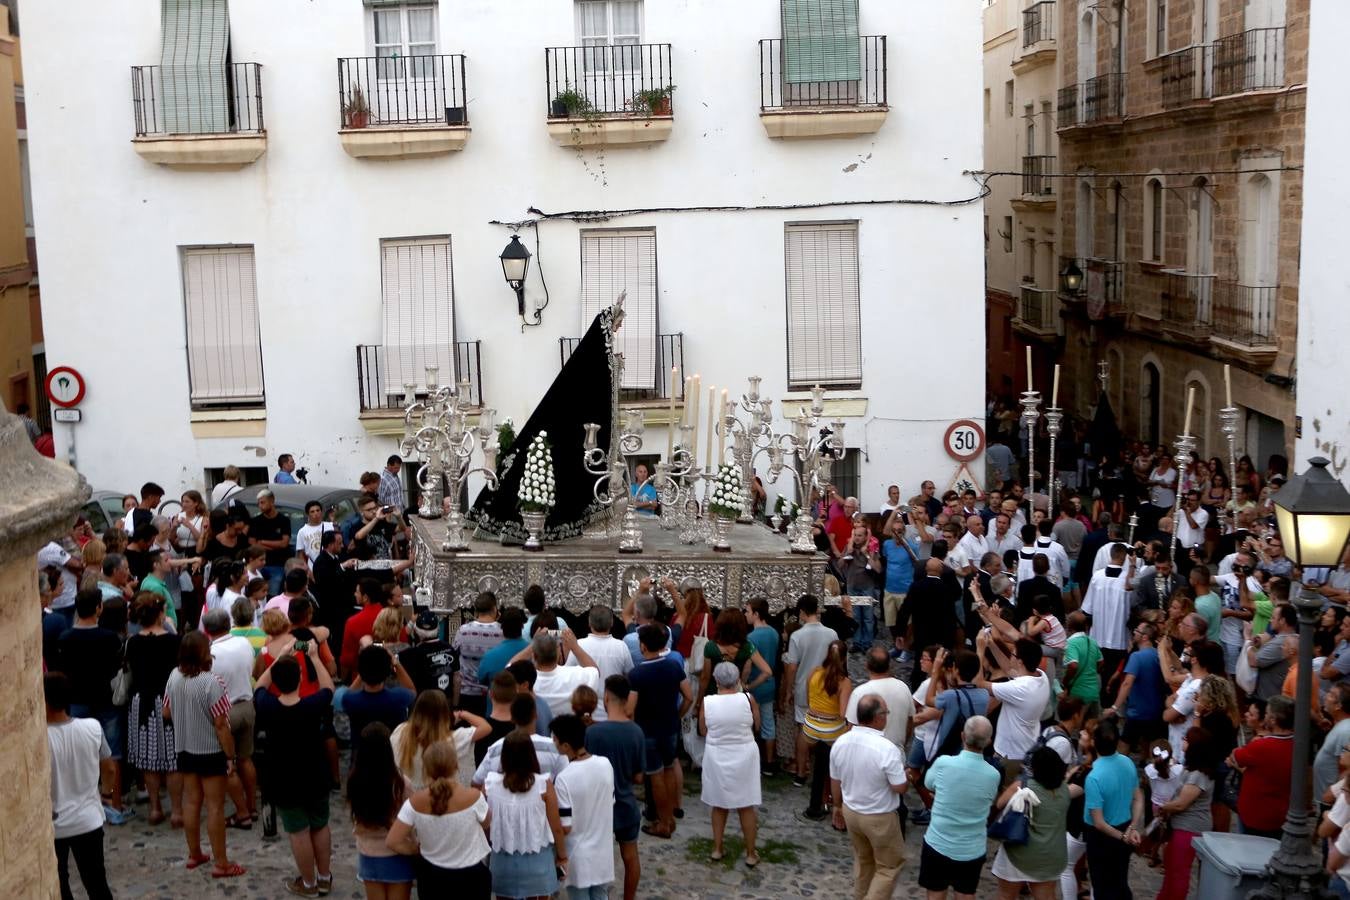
{"type": "Point", "coordinates": [729, 720]}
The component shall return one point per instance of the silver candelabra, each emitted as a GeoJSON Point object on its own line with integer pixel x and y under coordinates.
{"type": "Point", "coordinates": [436, 429]}
{"type": "Point", "coordinates": [1031, 401]}
{"type": "Point", "coordinates": [1228, 423]}
{"type": "Point", "coordinates": [614, 478]}
{"type": "Point", "coordinates": [1184, 447]}
{"type": "Point", "coordinates": [749, 437]}
{"type": "Point", "coordinates": [1054, 420]}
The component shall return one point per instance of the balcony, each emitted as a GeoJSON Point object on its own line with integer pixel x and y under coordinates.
{"type": "Point", "coordinates": [1249, 62]}
{"type": "Point", "coordinates": [853, 103]}
{"type": "Point", "coordinates": [609, 95]}
{"type": "Point", "coordinates": [634, 392]}
{"type": "Point", "coordinates": [1097, 101]}
{"type": "Point", "coordinates": [1102, 295]}
{"type": "Point", "coordinates": [1037, 181]}
{"type": "Point", "coordinates": [1187, 76]}
{"type": "Point", "coordinates": [392, 107]}
{"type": "Point", "coordinates": [1037, 313]}
{"type": "Point", "coordinates": [382, 374]}
{"type": "Point", "coordinates": [1038, 37]}
{"type": "Point", "coordinates": [1186, 305]}
{"type": "Point", "coordinates": [198, 116]}
{"type": "Point", "coordinates": [1244, 323]}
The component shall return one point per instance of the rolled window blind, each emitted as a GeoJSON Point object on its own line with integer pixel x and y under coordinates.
{"type": "Point", "coordinates": [824, 335]}
{"type": "Point", "coordinates": [821, 41]}
{"type": "Point", "coordinates": [612, 262]}
{"type": "Point", "coordinates": [418, 287]}
{"type": "Point", "coordinates": [195, 41]}
{"type": "Point", "coordinates": [223, 341]}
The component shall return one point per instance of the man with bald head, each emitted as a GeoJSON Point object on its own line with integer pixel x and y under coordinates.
{"type": "Point", "coordinates": [964, 787]}
{"type": "Point", "coordinates": [973, 543]}
{"type": "Point", "coordinates": [928, 614]}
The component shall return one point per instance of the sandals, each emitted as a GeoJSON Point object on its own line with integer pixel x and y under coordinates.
{"type": "Point", "coordinates": [657, 832]}
{"type": "Point", "coordinates": [751, 861]}
{"type": "Point", "coordinates": [716, 857]}
{"type": "Point", "coordinates": [195, 861]}
{"type": "Point", "coordinates": [233, 870]}
{"type": "Point", "coordinates": [240, 824]}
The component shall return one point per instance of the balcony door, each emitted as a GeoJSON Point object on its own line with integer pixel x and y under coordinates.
{"type": "Point", "coordinates": [194, 90]}
{"type": "Point", "coordinates": [1087, 58]}
{"type": "Point", "coordinates": [417, 285]}
{"type": "Point", "coordinates": [608, 71]}
{"type": "Point", "coordinates": [406, 87]}
{"type": "Point", "coordinates": [1264, 22]}
{"type": "Point", "coordinates": [1207, 30]}
{"type": "Point", "coordinates": [1200, 246]}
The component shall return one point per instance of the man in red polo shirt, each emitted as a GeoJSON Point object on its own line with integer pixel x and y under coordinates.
{"type": "Point", "coordinates": [373, 599]}
{"type": "Point", "coordinates": [1263, 799]}
{"type": "Point", "coordinates": [840, 527]}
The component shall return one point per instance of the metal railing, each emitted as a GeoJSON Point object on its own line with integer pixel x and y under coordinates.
{"type": "Point", "coordinates": [1066, 109]}
{"type": "Point", "coordinates": [1035, 172]}
{"type": "Point", "coordinates": [669, 352]}
{"type": "Point", "coordinates": [869, 89]}
{"type": "Point", "coordinates": [379, 370]}
{"type": "Point", "coordinates": [1249, 61]}
{"type": "Point", "coordinates": [607, 80]}
{"type": "Point", "coordinates": [181, 99]}
{"type": "Point", "coordinates": [1187, 300]}
{"type": "Point", "coordinates": [1037, 308]}
{"type": "Point", "coordinates": [1103, 97]}
{"type": "Point", "coordinates": [401, 90]}
{"type": "Point", "coordinates": [1038, 23]}
{"type": "Point", "coordinates": [1187, 75]}
{"type": "Point", "coordinates": [1245, 314]}
{"type": "Point", "coordinates": [1104, 281]}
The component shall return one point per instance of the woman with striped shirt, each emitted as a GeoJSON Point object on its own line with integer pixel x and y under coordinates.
{"type": "Point", "coordinates": [198, 704]}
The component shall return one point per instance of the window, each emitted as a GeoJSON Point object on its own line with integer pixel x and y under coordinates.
{"type": "Point", "coordinates": [1047, 125]}
{"type": "Point", "coordinates": [847, 473]}
{"type": "Point", "coordinates": [1160, 27]}
{"type": "Point", "coordinates": [824, 334]}
{"type": "Point", "coordinates": [1117, 221]}
{"type": "Point", "coordinates": [400, 30]}
{"type": "Point", "coordinates": [987, 105]}
{"type": "Point", "coordinates": [194, 88]}
{"type": "Point", "coordinates": [1008, 98]}
{"type": "Point", "coordinates": [610, 23]}
{"type": "Point", "coordinates": [223, 341]}
{"type": "Point", "coordinates": [1260, 228]}
{"type": "Point", "coordinates": [27, 183]}
{"type": "Point", "coordinates": [1154, 211]}
{"type": "Point", "coordinates": [617, 260]}
{"type": "Point", "coordinates": [1029, 116]}
{"type": "Point", "coordinates": [1085, 216]}
{"type": "Point", "coordinates": [1200, 240]}
{"type": "Point", "coordinates": [247, 475]}
{"type": "Point", "coordinates": [1007, 234]}
{"type": "Point", "coordinates": [821, 41]}
{"type": "Point", "coordinates": [417, 290]}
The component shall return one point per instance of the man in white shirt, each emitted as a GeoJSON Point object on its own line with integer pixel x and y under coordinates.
{"type": "Point", "coordinates": [1061, 572]}
{"type": "Point", "coordinates": [1004, 538]}
{"type": "Point", "coordinates": [524, 715]}
{"type": "Point", "coordinates": [1022, 699]}
{"type": "Point", "coordinates": [1179, 712]}
{"type": "Point", "coordinates": [973, 543]}
{"type": "Point", "coordinates": [1108, 602]}
{"type": "Point", "coordinates": [1026, 557]}
{"type": "Point", "coordinates": [867, 777]}
{"type": "Point", "coordinates": [76, 748]}
{"type": "Point", "coordinates": [54, 556]}
{"type": "Point", "coordinates": [555, 683]}
{"type": "Point", "coordinates": [586, 807]}
{"type": "Point", "coordinates": [307, 539]}
{"type": "Point", "coordinates": [1238, 593]}
{"type": "Point", "coordinates": [611, 655]}
{"type": "Point", "coordinates": [232, 662]}
{"type": "Point", "coordinates": [880, 682]}
{"type": "Point", "coordinates": [1190, 530]}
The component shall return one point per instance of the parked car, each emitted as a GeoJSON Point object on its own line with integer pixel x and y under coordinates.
{"type": "Point", "coordinates": [103, 510]}
{"type": "Point", "coordinates": [339, 504]}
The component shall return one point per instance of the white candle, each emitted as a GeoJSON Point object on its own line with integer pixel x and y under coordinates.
{"type": "Point", "coordinates": [684, 416]}
{"type": "Point", "coordinates": [1029, 368]}
{"type": "Point", "coordinates": [670, 425]}
{"type": "Point", "coordinates": [721, 415]}
{"type": "Point", "coordinates": [1190, 402]}
{"type": "Point", "coordinates": [1228, 384]}
{"type": "Point", "coordinates": [1054, 392]}
{"type": "Point", "coordinates": [712, 426]}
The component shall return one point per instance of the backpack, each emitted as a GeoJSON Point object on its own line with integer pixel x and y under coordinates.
{"type": "Point", "coordinates": [951, 743]}
{"type": "Point", "coordinates": [1048, 733]}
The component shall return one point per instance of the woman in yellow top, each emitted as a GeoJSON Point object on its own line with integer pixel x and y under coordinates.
{"type": "Point", "coordinates": [827, 693]}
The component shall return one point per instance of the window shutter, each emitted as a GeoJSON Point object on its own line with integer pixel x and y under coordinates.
{"type": "Point", "coordinates": [824, 322]}
{"type": "Point", "coordinates": [612, 262]}
{"type": "Point", "coordinates": [821, 41]}
{"type": "Point", "coordinates": [223, 341]}
{"type": "Point", "coordinates": [418, 286]}
{"type": "Point", "coordinates": [196, 40]}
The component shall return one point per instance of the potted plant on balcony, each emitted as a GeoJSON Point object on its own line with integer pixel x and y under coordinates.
{"type": "Point", "coordinates": [571, 104]}
{"type": "Point", "coordinates": [652, 102]}
{"type": "Point", "coordinates": [356, 112]}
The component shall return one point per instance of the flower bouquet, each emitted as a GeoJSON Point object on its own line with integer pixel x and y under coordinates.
{"type": "Point", "coordinates": [726, 504]}
{"type": "Point", "coordinates": [536, 492]}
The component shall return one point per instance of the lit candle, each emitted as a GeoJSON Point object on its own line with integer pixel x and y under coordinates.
{"type": "Point", "coordinates": [670, 424]}
{"type": "Point", "coordinates": [693, 411]}
{"type": "Point", "coordinates": [1190, 402]}
{"type": "Point", "coordinates": [721, 417]}
{"type": "Point", "coordinates": [712, 425]}
{"type": "Point", "coordinates": [1228, 384]}
{"type": "Point", "coordinates": [1054, 391]}
{"type": "Point", "coordinates": [1029, 368]}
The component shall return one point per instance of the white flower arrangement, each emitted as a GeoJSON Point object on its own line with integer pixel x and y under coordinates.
{"type": "Point", "coordinates": [728, 496]}
{"type": "Point", "coordinates": [536, 493]}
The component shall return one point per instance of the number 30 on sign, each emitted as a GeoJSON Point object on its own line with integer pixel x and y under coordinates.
{"type": "Point", "coordinates": [964, 440]}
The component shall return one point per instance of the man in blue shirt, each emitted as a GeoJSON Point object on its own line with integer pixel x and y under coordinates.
{"type": "Point", "coordinates": [1142, 690]}
{"type": "Point", "coordinates": [643, 491]}
{"type": "Point", "coordinates": [285, 466]}
{"type": "Point", "coordinates": [901, 553]}
{"type": "Point", "coordinates": [764, 639]}
{"type": "Point", "coordinates": [1113, 813]}
{"type": "Point", "coordinates": [964, 787]}
{"type": "Point", "coordinates": [499, 657]}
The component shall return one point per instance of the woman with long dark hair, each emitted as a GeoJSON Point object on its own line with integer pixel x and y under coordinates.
{"type": "Point", "coordinates": [528, 845]}
{"type": "Point", "coordinates": [152, 654]}
{"type": "Point", "coordinates": [827, 693]}
{"type": "Point", "coordinates": [729, 644]}
{"type": "Point", "coordinates": [443, 825]}
{"type": "Point", "coordinates": [376, 791]}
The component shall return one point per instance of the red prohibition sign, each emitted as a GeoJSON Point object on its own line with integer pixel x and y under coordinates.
{"type": "Point", "coordinates": [59, 385]}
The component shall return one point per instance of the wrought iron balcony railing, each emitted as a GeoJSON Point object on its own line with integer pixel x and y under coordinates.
{"type": "Point", "coordinates": [1038, 23]}
{"type": "Point", "coordinates": [608, 80]}
{"type": "Point", "coordinates": [1036, 172]}
{"type": "Point", "coordinates": [1245, 314]}
{"type": "Point", "coordinates": [1037, 309]}
{"type": "Point", "coordinates": [195, 99]}
{"type": "Point", "coordinates": [382, 91]}
{"type": "Point", "coordinates": [382, 371]}
{"type": "Point", "coordinates": [1187, 75]}
{"type": "Point", "coordinates": [780, 88]}
{"type": "Point", "coordinates": [1249, 61]}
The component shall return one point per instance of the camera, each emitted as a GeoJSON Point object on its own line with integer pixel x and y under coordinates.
{"type": "Point", "coordinates": [302, 646]}
{"type": "Point", "coordinates": [302, 475]}
{"type": "Point", "coordinates": [1245, 570]}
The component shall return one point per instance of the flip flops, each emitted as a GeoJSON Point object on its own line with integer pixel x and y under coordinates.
{"type": "Point", "coordinates": [233, 870]}
{"type": "Point", "coordinates": [195, 861]}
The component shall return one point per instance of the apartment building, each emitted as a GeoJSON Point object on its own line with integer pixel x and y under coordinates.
{"type": "Point", "coordinates": [1181, 128]}
{"type": "Point", "coordinates": [288, 211]}
{"type": "Point", "coordinates": [1022, 219]}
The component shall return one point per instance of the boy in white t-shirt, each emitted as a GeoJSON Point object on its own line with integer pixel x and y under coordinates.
{"type": "Point", "coordinates": [77, 746]}
{"type": "Point", "coordinates": [307, 539]}
{"type": "Point", "coordinates": [586, 806]}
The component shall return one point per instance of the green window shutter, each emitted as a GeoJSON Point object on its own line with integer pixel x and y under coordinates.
{"type": "Point", "coordinates": [821, 41]}
{"type": "Point", "coordinates": [196, 41]}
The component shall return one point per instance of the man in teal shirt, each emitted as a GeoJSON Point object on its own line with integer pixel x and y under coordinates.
{"type": "Point", "coordinates": [155, 583]}
{"type": "Point", "coordinates": [1113, 813]}
{"type": "Point", "coordinates": [964, 787]}
{"type": "Point", "coordinates": [499, 657]}
{"type": "Point", "coordinates": [1207, 603]}
{"type": "Point", "coordinates": [764, 639]}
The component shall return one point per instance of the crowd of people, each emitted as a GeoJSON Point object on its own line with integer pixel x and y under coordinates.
{"type": "Point", "coordinates": [1078, 683]}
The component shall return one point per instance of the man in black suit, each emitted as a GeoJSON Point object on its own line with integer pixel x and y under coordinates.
{"type": "Point", "coordinates": [332, 588]}
{"type": "Point", "coordinates": [1037, 584]}
{"type": "Point", "coordinates": [929, 613]}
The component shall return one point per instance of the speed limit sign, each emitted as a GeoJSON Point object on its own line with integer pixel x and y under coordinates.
{"type": "Point", "coordinates": [964, 440]}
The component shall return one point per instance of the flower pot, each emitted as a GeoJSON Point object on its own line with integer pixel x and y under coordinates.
{"type": "Point", "coordinates": [454, 115]}
{"type": "Point", "coordinates": [661, 107]}
{"type": "Point", "coordinates": [358, 119]}
{"type": "Point", "coordinates": [534, 523]}
{"type": "Point", "coordinates": [558, 110]}
{"type": "Point", "coordinates": [721, 528]}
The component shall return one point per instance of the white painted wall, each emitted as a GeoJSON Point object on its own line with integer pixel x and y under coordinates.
{"type": "Point", "coordinates": [1324, 281]}
{"type": "Point", "coordinates": [112, 225]}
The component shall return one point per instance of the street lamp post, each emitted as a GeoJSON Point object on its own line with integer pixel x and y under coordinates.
{"type": "Point", "coordinates": [1313, 513]}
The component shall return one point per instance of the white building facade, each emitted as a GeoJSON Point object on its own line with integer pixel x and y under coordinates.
{"type": "Point", "coordinates": [245, 255]}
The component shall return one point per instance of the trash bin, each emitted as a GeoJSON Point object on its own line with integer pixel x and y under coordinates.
{"type": "Point", "coordinates": [1231, 864]}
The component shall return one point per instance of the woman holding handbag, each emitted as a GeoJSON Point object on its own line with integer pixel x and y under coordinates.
{"type": "Point", "coordinates": [1038, 862]}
